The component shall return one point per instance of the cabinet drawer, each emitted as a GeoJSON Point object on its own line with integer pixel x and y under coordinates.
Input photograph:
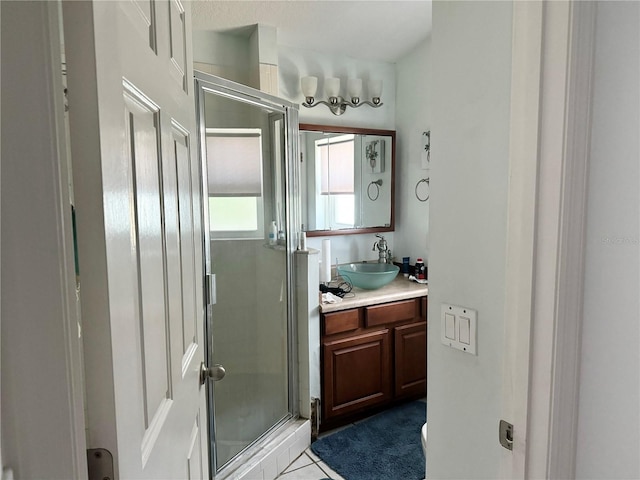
{"type": "Point", "coordinates": [423, 308]}
{"type": "Point", "coordinates": [344, 321]}
{"type": "Point", "coordinates": [391, 312]}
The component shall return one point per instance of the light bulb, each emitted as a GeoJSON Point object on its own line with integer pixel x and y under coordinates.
{"type": "Point", "coordinates": [354, 87]}
{"type": "Point", "coordinates": [375, 88]}
{"type": "Point", "coordinates": [309, 86]}
{"type": "Point", "coordinates": [332, 86]}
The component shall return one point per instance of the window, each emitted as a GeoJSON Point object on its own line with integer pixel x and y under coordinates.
{"type": "Point", "coordinates": [335, 173]}
{"type": "Point", "coordinates": [336, 165]}
{"type": "Point", "coordinates": [234, 161]}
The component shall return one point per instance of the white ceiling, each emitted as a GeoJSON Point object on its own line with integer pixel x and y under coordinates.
{"type": "Point", "coordinates": [368, 29]}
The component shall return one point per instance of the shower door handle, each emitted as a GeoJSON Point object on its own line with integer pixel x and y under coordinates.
{"type": "Point", "coordinates": [215, 373]}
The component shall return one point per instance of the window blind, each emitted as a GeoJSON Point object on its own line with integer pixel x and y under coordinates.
{"type": "Point", "coordinates": [234, 160]}
{"type": "Point", "coordinates": [336, 167]}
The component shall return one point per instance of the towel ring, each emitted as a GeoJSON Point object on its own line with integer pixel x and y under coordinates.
{"type": "Point", "coordinates": [377, 184]}
{"type": "Point", "coordinates": [424, 180]}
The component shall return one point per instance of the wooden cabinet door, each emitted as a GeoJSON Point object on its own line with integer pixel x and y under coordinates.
{"type": "Point", "coordinates": [357, 372]}
{"type": "Point", "coordinates": [411, 359]}
{"type": "Point", "coordinates": [423, 308]}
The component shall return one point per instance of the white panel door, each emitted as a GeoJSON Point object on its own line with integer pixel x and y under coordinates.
{"type": "Point", "coordinates": [138, 203]}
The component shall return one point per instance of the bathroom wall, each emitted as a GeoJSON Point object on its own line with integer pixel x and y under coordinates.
{"type": "Point", "coordinates": [228, 56]}
{"type": "Point", "coordinates": [405, 96]}
{"type": "Point", "coordinates": [42, 422]}
{"type": "Point", "coordinates": [471, 72]}
{"type": "Point", "coordinates": [609, 412]}
{"type": "Point", "coordinates": [307, 275]}
{"type": "Point", "coordinates": [294, 63]}
{"type": "Point", "coordinates": [414, 114]}
{"type": "Point", "coordinates": [352, 248]}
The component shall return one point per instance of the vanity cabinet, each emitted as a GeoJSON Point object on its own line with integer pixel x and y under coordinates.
{"type": "Point", "coordinates": [372, 356]}
{"type": "Point", "coordinates": [410, 346]}
{"type": "Point", "coordinates": [357, 372]}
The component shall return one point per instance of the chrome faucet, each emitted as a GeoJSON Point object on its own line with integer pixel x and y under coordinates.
{"type": "Point", "coordinates": [384, 254]}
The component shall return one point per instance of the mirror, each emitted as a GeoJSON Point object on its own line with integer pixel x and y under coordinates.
{"type": "Point", "coordinates": [347, 180]}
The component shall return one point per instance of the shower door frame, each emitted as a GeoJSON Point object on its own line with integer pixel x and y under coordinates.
{"type": "Point", "coordinates": [205, 83]}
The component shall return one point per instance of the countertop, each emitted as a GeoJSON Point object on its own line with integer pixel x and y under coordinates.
{"type": "Point", "coordinates": [400, 289]}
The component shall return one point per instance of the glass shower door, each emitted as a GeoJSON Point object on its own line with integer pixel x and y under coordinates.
{"type": "Point", "coordinates": [244, 156]}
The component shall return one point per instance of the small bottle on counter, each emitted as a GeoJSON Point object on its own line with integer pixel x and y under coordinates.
{"type": "Point", "coordinates": [405, 266]}
{"type": "Point", "coordinates": [273, 233]}
{"type": "Point", "coordinates": [420, 270]}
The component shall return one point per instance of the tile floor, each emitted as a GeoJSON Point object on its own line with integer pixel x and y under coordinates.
{"type": "Point", "coordinates": [308, 467]}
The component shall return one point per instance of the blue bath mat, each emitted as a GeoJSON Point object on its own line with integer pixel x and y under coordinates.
{"type": "Point", "coordinates": [384, 447]}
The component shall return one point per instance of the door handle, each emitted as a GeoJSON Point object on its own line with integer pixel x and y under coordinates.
{"type": "Point", "coordinates": [215, 373]}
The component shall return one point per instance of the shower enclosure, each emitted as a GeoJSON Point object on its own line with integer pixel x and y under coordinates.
{"type": "Point", "coordinates": [247, 139]}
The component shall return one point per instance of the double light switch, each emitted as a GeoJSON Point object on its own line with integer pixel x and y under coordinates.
{"type": "Point", "coordinates": [458, 327]}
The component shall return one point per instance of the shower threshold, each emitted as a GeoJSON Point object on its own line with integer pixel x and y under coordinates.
{"type": "Point", "coordinates": [268, 456]}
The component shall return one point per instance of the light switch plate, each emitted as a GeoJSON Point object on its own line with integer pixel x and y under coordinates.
{"type": "Point", "coordinates": [464, 322]}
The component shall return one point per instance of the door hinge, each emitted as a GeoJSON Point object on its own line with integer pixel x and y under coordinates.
{"type": "Point", "coordinates": [210, 288]}
{"type": "Point", "coordinates": [506, 435]}
{"type": "Point", "coordinates": [100, 464]}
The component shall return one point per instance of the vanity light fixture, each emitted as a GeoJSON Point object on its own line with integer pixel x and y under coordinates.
{"type": "Point", "coordinates": [336, 103]}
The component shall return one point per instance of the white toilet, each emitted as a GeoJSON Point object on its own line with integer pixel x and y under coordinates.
{"type": "Point", "coordinates": [424, 447]}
